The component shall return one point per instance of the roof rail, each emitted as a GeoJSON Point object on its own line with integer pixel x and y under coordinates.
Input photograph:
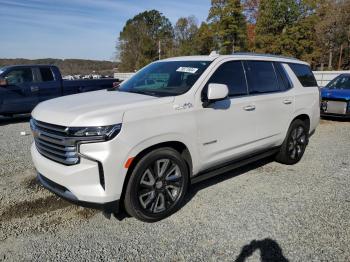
{"type": "Point", "coordinates": [214, 54]}
{"type": "Point", "coordinates": [266, 55]}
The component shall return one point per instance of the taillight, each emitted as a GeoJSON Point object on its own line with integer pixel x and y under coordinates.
{"type": "Point", "coordinates": [319, 96]}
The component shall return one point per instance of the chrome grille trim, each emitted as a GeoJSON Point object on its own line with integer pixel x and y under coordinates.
{"type": "Point", "coordinates": [53, 142]}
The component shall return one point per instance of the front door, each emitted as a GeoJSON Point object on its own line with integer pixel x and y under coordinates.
{"type": "Point", "coordinates": [226, 129]}
{"type": "Point", "coordinates": [21, 93]}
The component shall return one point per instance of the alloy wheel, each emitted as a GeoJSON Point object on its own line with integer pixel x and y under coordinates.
{"type": "Point", "coordinates": [160, 186]}
{"type": "Point", "coordinates": [297, 143]}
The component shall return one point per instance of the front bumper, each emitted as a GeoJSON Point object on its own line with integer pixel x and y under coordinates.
{"type": "Point", "coordinates": [344, 116]}
{"type": "Point", "coordinates": [110, 207]}
{"type": "Point", "coordinates": [83, 180]}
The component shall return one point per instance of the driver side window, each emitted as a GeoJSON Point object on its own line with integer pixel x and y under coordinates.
{"type": "Point", "coordinates": [231, 74]}
{"type": "Point", "coordinates": [19, 76]}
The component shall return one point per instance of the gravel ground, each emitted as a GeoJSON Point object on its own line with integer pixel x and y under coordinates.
{"type": "Point", "coordinates": [263, 212]}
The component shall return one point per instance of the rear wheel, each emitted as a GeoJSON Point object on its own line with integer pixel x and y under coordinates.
{"type": "Point", "coordinates": [157, 185]}
{"type": "Point", "coordinates": [294, 145]}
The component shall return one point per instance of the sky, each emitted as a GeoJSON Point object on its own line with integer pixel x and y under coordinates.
{"type": "Point", "coordinates": [86, 29]}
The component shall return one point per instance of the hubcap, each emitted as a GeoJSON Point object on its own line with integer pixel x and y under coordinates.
{"type": "Point", "coordinates": [296, 143]}
{"type": "Point", "coordinates": [160, 186]}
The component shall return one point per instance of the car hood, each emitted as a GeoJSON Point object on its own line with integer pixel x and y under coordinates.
{"type": "Point", "coordinates": [336, 93]}
{"type": "Point", "coordinates": [98, 108]}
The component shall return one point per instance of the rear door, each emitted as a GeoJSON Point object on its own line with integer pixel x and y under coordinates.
{"type": "Point", "coordinates": [272, 98]}
{"type": "Point", "coordinates": [49, 87]}
{"type": "Point", "coordinates": [21, 93]}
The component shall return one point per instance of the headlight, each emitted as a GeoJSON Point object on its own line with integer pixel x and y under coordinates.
{"type": "Point", "coordinates": [98, 132]}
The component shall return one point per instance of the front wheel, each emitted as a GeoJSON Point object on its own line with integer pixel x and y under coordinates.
{"type": "Point", "coordinates": [294, 145]}
{"type": "Point", "coordinates": [157, 185]}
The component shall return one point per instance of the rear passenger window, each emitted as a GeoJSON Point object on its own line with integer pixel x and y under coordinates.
{"type": "Point", "coordinates": [232, 75]}
{"type": "Point", "coordinates": [283, 79]}
{"type": "Point", "coordinates": [304, 74]}
{"type": "Point", "coordinates": [261, 77]}
{"type": "Point", "coordinates": [46, 74]}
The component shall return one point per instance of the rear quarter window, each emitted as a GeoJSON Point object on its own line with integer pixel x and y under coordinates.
{"type": "Point", "coordinates": [304, 74]}
{"type": "Point", "coordinates": [46, 74]}
{"type": "Point", "coordinates": [283, 77]}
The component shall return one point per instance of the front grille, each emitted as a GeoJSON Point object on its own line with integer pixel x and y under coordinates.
{"type": "Point", "coordinates": [53, 142]}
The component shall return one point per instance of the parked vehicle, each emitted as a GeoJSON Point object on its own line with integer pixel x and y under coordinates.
{"type": "Point", "coordinates": [175, 122]}
{"type": "Point", "coordinates": [336, 97]}
{"type": "Point", "coordinates": [23, 87]}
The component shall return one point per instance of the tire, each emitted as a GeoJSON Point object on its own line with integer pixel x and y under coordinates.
{"type": "Point", "coordinates": [294, 145]}
{"type": "Point", "coordinates": [157, 185]}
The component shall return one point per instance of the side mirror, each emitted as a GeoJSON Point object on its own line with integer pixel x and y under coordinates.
{"type": "Point", "coordinates": [216, 92]}
{"type": "Point", "coordinates": [3, 82]}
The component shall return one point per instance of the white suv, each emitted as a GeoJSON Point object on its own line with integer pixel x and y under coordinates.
{"type": "Point", "coordinates": [175, 122]}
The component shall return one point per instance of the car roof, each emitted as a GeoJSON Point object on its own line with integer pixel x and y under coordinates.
{"type": "Point", "coordinates": [243, 56]}
{"type": "Point", "coordinates": [30, 65]}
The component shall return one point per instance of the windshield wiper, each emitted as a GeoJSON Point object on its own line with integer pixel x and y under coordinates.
{"type": "Point", "coordinates": [143, 92]}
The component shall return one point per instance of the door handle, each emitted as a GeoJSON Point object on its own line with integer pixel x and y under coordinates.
{"type": "Point", "coordinates": [34, 88]}
{"type": "Point", "coordinates": [249, 108]}
{"type": "Point", "coordinates": [287, 102]}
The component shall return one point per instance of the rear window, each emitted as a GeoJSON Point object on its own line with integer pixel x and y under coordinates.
{"type": "Point", "coordinates": [46, 74]}
{"type": "Point", "coordinates": [304, 74]}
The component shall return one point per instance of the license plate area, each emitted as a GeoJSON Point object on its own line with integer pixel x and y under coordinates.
{"type": "Point", "coordinates": [335, 107]}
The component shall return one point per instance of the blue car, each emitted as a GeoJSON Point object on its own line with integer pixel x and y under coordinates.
{"type": "Point", "coordinates": [336, 97]}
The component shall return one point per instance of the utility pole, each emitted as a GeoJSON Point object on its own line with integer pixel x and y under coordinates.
{"type": "Point", "coordinates": [159, 50]}
{"type": "Point", "coordinates": [340, 57]}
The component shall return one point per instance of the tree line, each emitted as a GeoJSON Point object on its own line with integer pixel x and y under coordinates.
{"type": "Point", "coordinates": [316, 31]}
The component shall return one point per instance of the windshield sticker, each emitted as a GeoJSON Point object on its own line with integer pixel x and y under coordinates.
{"type": "Point", "coordinates": [184, 69]}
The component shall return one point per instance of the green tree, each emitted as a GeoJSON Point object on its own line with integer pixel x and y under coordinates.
{"type": "Point", "coordinates": [185, 31]}
{"type": "Point", "coordinates": [274, 18]}
{"type": "Point", "coordinates": [228, 22]}
{"type": "Point", "coordinates": [288, 27]}
{"type": "Point", "coordinates": [142, 38]}
{"type": "Point", "coordinates": [333, 30]}
{"type": "Point", "coordinates": [204, 40]}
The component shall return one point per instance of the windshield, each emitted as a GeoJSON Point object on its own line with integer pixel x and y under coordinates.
{"type": "Point", "coordinates": [1, 70]}
{"type": "Point", "coordinates": [170, 78]}
{"type": "Point", "coordinates": [341, 82]}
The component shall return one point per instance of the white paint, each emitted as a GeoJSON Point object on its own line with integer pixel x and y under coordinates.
{"type": "Point", "coordinates": [230, 128]}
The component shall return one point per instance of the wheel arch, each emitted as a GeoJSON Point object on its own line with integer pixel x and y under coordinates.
{"type": "Point", "coordinates": [177, 145]}
{"type": "Point", "coordinates": [305, 118]}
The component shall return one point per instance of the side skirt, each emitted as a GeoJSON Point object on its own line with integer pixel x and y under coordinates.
{"type": "Point", "coordinates": [223, 168]}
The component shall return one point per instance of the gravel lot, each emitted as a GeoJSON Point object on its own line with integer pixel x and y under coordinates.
{"type": "Point", "coordinates": [266, 211]}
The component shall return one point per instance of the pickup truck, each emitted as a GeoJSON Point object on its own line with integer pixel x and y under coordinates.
{"type": "Point", "coordinates": [22, 87]}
